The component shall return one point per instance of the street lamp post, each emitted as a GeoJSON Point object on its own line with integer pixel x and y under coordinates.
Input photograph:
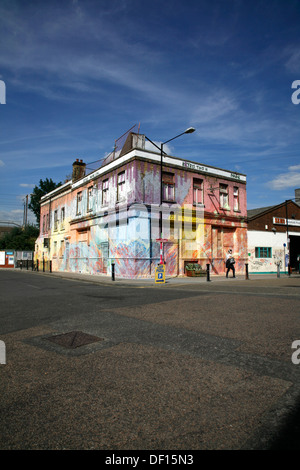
{"type": "Point", "coordinates": [189, 130]}
{"type": "Point", "coordinates": [287, 237]}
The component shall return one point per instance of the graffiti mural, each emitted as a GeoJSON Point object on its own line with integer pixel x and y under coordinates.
{"type": "Point", "coordinates": [113, 216]}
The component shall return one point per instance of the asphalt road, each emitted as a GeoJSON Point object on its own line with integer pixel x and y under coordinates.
{"type": "Point", "coordinates": [184, 366]}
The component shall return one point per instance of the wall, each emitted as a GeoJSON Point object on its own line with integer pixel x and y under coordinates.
{"type": "Point", "coordinates": [91, 240]}
{"type": "Point", "coordinates": [266, 239]}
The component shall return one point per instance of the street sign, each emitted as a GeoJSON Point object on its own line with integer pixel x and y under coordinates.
{"type": "Point", "coordinates": [162, 240]}
{"type": "Point", "coordinates": [160, 274]}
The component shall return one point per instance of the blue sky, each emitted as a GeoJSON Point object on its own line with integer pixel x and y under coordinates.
{"type": "Point", "coordinates": [78, 74]}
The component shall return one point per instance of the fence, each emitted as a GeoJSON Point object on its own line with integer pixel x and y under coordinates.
{"type": "Point", "coordinates": [44, 266]}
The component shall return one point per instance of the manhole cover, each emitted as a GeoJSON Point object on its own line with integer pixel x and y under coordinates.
{"type": "Point", "coordinates": [74, 339]}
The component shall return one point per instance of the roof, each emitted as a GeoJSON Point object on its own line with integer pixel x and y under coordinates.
{"type": "Point", "coordinates": [252, 213]}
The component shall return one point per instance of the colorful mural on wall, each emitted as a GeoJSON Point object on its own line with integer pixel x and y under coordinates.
{"type": "Point", "coordinates": [112, 216]}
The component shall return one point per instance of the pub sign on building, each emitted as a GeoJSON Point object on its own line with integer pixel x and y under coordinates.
{"type": "Point", "coordinates": [112, 216]}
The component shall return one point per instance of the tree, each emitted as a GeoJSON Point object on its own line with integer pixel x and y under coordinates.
{"type": "Point", "coordinates": [44, 187]}
{"type": "Point", "coordinates": [20, 239]}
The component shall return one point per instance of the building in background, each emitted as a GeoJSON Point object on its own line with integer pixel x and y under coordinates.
{"type": "Point", "coordinates": [112, 215]}
{"type": "Point", "coordinates": [7, 259]}
{"type": "Point", "coordinates": [4, 229]}
{"type": "Point", "coordinates": [274, 237]}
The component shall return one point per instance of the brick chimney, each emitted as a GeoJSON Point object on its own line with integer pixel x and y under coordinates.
{"type": "Point", "coordinates": [78, 170]}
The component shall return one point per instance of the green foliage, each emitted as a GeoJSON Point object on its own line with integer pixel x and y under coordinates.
{"type": "Point", "coordinates": [45, 186]}
{"type": "Point", "coordinates": [193, 267]}
{"type": "Point", "coordinates": [20, 239]}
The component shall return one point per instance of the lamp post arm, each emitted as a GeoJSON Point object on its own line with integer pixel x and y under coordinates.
{"type": "Point", "coordinates": [174, 138]}
{"type": "Point", "coordinates": [159, 148]}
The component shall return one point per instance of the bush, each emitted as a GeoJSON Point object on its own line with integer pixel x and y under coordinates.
{"type": "Point", "coordinates": [193, 267]}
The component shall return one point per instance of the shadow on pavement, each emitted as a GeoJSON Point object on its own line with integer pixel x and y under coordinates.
{"type": "Point", "coordinates": [288, 436]}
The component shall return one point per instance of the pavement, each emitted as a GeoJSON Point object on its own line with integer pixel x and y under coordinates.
{"type": "Point", "coordinates": [169, 280]}
{"type": "Point", "coordinates": [187, 365]}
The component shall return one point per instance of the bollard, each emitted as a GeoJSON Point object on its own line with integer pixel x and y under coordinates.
{"type": "Point", "coordinates": [51, 266]}
{"type": "Point", "coordinates": [207, 273]}
{"type": "Point", "coordinates": [278, 270]}
{"type": "Point", "coordinates": [43, 265]}
{"type": "Point", "coordinates": [247, 274]}
{"type": "Point", "coordinates": [112, 271]}
{"type": "Point", "coordinates": [21, 264]}
{"type": "Point", "coordinates": [27, 264]}
{"type": "Point", "coordinates": [37, 265]}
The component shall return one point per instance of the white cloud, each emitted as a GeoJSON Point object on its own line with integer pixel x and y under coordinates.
{"type": "Point", "coordinates": [26, 185]}
{"type": "Point", "coordinates": [166, 148]}
{"type": "Point", "coordinates": [2, 163]}
{"type": "Point", "coordinates": [290, 179]}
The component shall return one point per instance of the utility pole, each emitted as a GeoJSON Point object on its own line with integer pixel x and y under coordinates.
{"type": "Point", "coordinates": [25, 212]}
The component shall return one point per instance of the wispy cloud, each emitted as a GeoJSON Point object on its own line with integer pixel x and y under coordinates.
{"type": "Point", "coordinates": [289, 179]}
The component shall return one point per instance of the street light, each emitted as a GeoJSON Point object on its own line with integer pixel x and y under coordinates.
{"type": "Point", "coordinates": [189, 130]}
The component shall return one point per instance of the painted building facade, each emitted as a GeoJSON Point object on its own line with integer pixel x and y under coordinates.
{"type": "Point", "coordinates": [274, 238]}
{"type": "Point", "coordinates": [113, 215]}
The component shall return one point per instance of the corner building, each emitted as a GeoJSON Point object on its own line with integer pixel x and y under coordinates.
{"type": "Point", "coordinates": [113, 215]}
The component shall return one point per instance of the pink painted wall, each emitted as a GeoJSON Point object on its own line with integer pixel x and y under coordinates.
{"type": "Point", "coordinates": [83, 244]}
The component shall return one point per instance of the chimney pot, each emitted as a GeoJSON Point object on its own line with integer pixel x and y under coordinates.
{"type": "Point", "coordinates": [78, 170]}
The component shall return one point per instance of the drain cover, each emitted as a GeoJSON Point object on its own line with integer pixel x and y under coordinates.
{"type": "Point", "coordinates": [74, 339]}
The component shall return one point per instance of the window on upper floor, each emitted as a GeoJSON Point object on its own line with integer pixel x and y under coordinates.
{"type": "Point", "coordinates": [90, 199]}
{"type": "Point", "coordinates": [168, 187]}
{"type": "Point", "coordinates": [236, 202]}
{"type": "Point", "coordinates": [55, 220]}
{"type": "Point", "coordinates": [121, 186]}
{"type": "Point", "coordinates": [224, 199]}
{"type": "Point", "coordinates": [79, 203]}
{"type": "Point", "coordinates": [197, 191]}
{"type": "Point", "coordinates": [62, 217]}
{"type": "Point", "coordinates": [105, 192]}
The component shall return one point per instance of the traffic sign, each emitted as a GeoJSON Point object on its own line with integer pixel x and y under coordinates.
{"type": "Point", "coordinates": [160, 274]}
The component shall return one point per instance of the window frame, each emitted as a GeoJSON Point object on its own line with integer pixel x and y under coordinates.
{"type": "Point", "coordinates": [168, 186]}
{"type": "Point", "coordinates": [56, 219]}
{"type": "Point", "coordinates": [89, 198]}
{"type": "Point", "coordinates": [259, 253]}
{"type": "Point", "coordinates": [62, 217]}
{"type": "Point", "coordinates": [224, 196]}
{"type": "Point", "coordinates": [105, 189]}
{"type": "Point", "coordinates": [236, 198]}
{"type": "Point", "coordinates": [198, 189]}
{"type": "Point", "coordinates": [121, 186]}
{"type": "Point", "coordinates": [79, 203]}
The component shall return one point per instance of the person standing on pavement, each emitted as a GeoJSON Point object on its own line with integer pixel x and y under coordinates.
{"type": "Point", "coordinates": [230, 261]}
